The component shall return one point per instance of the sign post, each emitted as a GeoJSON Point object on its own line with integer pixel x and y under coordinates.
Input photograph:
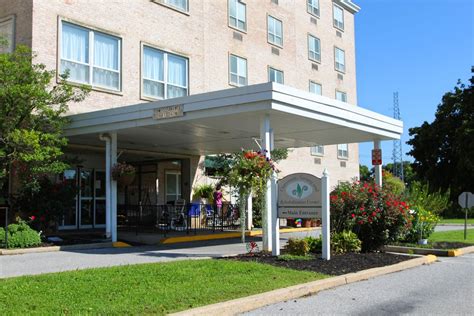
{"type": "Point", "coordinates": [326, 216]}
{"type": "Point", "coordinates": [466, 201]}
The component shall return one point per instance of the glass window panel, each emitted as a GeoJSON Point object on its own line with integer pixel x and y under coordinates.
{"type": "Point", "coordinates": [153, 89]}
{"type": "Point", "coordinates": [99, 212]}
{"type": "Point", "coordinates": [106, 78]}
{"type": "Point", "coordinates": [171, 181]}
{"type": "Point", "coordinates": [233, 64]}
{"type": "Point", "coordinates": [106, 51]}
{"type": "Point", "coordinates": [77, 72]}
{"type": "Point", "coordinates": [315, 88]}
{"type": "Point", "coordinates": [7, 33]}
{"type": "Point", "coordinates": [99, 184]}
{"type": "Point", "coordinates": [177, 71]}
{"type": "Point", "coordinates": [180, 4]}
{"type": "Point", "coordinates": [175, 92]}
{"type": "Point", "coordinates": [153, 62]}
{"type": "Point", "coordinates": [75, 43]}
{"type": "Point", "coordinates": [242, 66]}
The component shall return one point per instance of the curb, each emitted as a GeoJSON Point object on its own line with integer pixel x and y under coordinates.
{"type": "Point", "coordinates": [21, 251]}
{"type": "Point", "coordinates": [182, 239]}
{"type": "Point", "coordinates": [252, 302]}
{"type": "Point", "coordinates": [431, 251]}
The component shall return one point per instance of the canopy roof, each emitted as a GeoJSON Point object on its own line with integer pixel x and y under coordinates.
{"type": "Point", "coordinates": [227, 120]}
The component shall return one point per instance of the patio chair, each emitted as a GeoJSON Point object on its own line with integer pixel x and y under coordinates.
{"type": "Point", "coordinates": [179, 219]}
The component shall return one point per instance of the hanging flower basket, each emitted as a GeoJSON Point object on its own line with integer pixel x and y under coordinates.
{"type": "Point", "coordinates": [123, 173]}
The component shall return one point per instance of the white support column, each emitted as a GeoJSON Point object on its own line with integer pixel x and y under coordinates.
{"type": "Point", "coordinates": [113, 187]}
{"type": "Point", "coordinates": [108, 180]}
{"type": "Point", "coordinates": [249, 212]}
{"type": "Point", "coordinates": [378, 168]}
{"type": "Point", "coordinates": [326, 229]}
{"type": "Point", "coordinates": [275, 221]}
{"type": "Point", "coordinates": [265, 135]}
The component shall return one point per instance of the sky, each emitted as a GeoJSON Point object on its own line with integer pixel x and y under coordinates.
{"type": "Point", "coordinates": [419, 48]}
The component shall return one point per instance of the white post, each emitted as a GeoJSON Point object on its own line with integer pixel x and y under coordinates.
{"type": "Point", "coordinates": [326, 229]}
{"type": "Point", "coordinates": [378, 168]}
{"type": "Point", "coordinates": [113, 191]}
{"type": "Point", "coordinates": [108, 180]}
{"type": "Point", "coordinates": [275, 219]}
{"type": "Point", "coordinates": [249, 212]}
{"type": "Point", "coordinates": [267, 212]}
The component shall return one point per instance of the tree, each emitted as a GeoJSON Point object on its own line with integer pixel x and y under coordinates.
{"type": "Point", "coordinates": [408, 174]}
{"type": "Point", "coordinates": [32, 117]}
{"type": "Point", "coordinates": [444, 149]}
{"type": "Point", "coordinates": [365, 173]}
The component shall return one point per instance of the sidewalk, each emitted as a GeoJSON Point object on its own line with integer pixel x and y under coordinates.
{"type": "Point", "coordinates": [38, 263]}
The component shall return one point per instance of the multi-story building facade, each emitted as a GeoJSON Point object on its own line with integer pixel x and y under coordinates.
{"type": "Point", "coordinates": [138, 51]}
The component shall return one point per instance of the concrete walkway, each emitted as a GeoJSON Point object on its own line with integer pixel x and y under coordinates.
{"type": "Point", "coordinates": [38, 263]}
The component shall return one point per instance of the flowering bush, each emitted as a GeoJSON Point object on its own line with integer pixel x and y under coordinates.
{"type": "Point", "coordinates": [121, 169]}
{"type": "Point", "coordinates": [20, 235]}
{"type": "Point", "coordinates": [376, 215]}
{"type": "Point", "coordinates": [423, 224]}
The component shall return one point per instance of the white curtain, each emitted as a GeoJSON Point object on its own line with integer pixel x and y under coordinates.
{"type": "Point", "coordinates": [176, 76]}
{"type": "Point", "coordinates": [153, 71]}
{"type": "Point", "coordinates": [75, 48]}
{"type": "Point", "coordinates": [106, 50]}
{"type": "Point", "coordinates": [182, 4]}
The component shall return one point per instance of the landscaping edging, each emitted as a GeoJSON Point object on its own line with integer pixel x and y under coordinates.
{"type": "Point", "coordinates": [430, 251]}
{"type": "Point", "coordinates": [252, 302]}
{"type": "Point", "coordinates": [20, 251]}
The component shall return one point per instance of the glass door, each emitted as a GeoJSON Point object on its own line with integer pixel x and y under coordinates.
{"type": "Point", "coordinates": [173, 186]}
{"type": "Point", "coordinates": [86, 200]}
{"type": "Point", "coordinates": [99, 199]}
{"type": "Point", "coordinates": [69, 219]}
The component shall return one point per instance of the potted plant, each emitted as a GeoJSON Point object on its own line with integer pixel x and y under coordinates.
{"type": "Point", "coordinates": [123, 173]}
{"type": "Point", "coordinates": [203, 192]}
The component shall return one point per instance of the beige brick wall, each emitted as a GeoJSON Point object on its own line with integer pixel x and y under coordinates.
{"type": "Point", "coordinates": [205, 38]}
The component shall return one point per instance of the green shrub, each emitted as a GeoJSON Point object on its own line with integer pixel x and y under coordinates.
{"type": "Point", "coordinates": [20, 236]}
{"type": "Point", "coordinates": [345, 241]}
{"type": "Point", "coordinates": [376, 215]}
{"type": "Point", "coordinates": [204, 191]}
{"type": "Point", "coordinates": [297, 247]}
{"type": "Point", "coordinates": [423, 224]}
{"type": "Point", "coordinates": [294, 258]}
{"type": "Point", "coordinates": [315, 244]}
{"type": "Point", "coordinates": [420, 196]}
{"type": "Point", "coordinates": [393, 183]}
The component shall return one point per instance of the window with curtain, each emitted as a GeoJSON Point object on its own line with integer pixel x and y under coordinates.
{"type": "Point", "coordinates": [238, 71]}
{"type": "Point", "coordinates": [317, 150]}
{"type": "Point", "coordinates": [91, 57]}
{"type": "Point", "coordinates": [275, 75]}
{"type": "Point", "coordinates": [338, 17]}
{"type": "Point", "coordinates": [164, 75]}
{"type": "Point", "coordinates": [237, 15]}
{"type": "Point", "coordinates": [178, 4]}
{"type": "Point", "coordinates": [315, 88]}
{"type": "Point", "coordinates": [275, 31]}
{"type": "Point", "coordinates": [7, 33]}
{"type": "Point", "coordinates": [341, 96]}
{"type": "Point", "coordinates": [339, 59]}
{"type": "Point", "coordinates": [343, 151]}
{"type": "Point", "coordinates": [313, 7]}
{"type": "Point", "coordinates": [314, 48]}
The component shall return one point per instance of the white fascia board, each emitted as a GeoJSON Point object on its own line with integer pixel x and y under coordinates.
{"type": "Point", "coordinates": [349, 5]}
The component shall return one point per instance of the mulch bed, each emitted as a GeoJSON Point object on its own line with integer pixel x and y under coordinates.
{"type": "Point", "coordinates": [338, 265]}
{"type": "Point", "coordinates": [436, 245]}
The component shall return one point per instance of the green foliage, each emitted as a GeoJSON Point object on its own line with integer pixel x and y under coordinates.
{"type": "Point", "coordinates": [32, 116]}
{"type": "Point", "coordinates": [315, 244]}
{"type": "Point", "coordinates": [392, 183]}
{"type": "Point", "coordinates": [345, 241]}
{"type": "Point", "coordinates": [436, 202]}
{"type": "Point", "coordinates": [444, 149]}
{"type": "Point", "coordinates": [20, 235]}
{"type": "Point", "coordinates": [408, 174]}
{"type": "Point", "coordinates": [423, 224]}
{"type": "Point", "coordinates": [46, 203]}
{"type": "Point", "coordinates": [203, 191]}
{"type": "Point", "coordinates": [376, 215]}
{"type": "Point", "coordinates": [297, 247]}
{"type": "Point", "coordinates": [364, 173]}
{"type": "Point", "coordinates": [294, 258]}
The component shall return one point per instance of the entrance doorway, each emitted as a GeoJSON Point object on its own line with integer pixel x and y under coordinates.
{"type": "Point", "coordinates": [173, 186]}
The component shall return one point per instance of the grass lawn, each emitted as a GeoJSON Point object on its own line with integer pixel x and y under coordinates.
{"type": "Point", "coordinates": [456, 221]}
{"type": "Point", "coordinates": [453, 236]}
{"type": "Point", "coordinates": [157, 288]}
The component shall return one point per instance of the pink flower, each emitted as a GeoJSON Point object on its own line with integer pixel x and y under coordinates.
{"type": "Point", "coordinates": [33, 217]}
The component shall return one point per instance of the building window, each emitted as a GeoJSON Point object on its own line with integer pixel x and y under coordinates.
{"type": "Point", "coordinates": [343, 151]}
{"type": "Point", "coordinates": [317, 150]}
{"type": "Point", "coordinates": [237, 15]}
{"type": "Point", "coordinates": [341, 96]}
{"type": "Point", "coordinates": [165, 75]}
{"type": "Point", "coordinates": [91, 57]}
{"type": "Point", "coordinates": [7, 34]}
{"type": "Point", "coordinates": [339, 59]}
{"type": "Point", "coordinates": [313, 7]}
{"type": "Point", "coordinates": [238, 71]}
{"type": "Point", "coordinates": [315, 88]}
{"type": "Point", "coordinates": [275, 31]}
{"type": "Point", "coordinates": [275, 75]}
{"type": "Point", "coordinates": [181, 5]}
{"type": "Point", "coordinates": [314, 48]}
{"type": "Point", "coordinates": [338, 17]}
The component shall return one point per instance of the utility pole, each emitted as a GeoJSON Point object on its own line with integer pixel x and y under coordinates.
{"type": "Point", "coordinates": [397, 154]}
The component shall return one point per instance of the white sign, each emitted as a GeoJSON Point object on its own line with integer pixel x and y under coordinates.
{"type": "Point", "coordinates": [466, 200]}
{"type": "Point", "coordinates": [299, 196]}
{"type": "Point", "coordinates": [168, 112]}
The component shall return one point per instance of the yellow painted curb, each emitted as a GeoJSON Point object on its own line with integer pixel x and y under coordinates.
{"type": "Point", "coordinates": [454, 253]}
{"type": "Point", "coordinates": [120, 244]}
{"type": "Point", "coordinates": [431, 258]}
{"type": "Point", "coordinates": [175, 240]}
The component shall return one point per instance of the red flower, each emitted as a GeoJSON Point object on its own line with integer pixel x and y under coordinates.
{"type": "Point", "coordinates": [33, 217]}
{"type": "Point", "coordinates": [374, 214]}
{"type": "Point", "coordinates": [353, 215]}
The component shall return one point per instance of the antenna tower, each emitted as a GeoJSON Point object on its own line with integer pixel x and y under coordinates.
{"type": "Point", "coordinates": [397, 154]}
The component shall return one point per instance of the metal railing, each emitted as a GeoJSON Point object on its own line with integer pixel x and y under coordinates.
{"type": "Point", "coordinates": [189, 219]}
